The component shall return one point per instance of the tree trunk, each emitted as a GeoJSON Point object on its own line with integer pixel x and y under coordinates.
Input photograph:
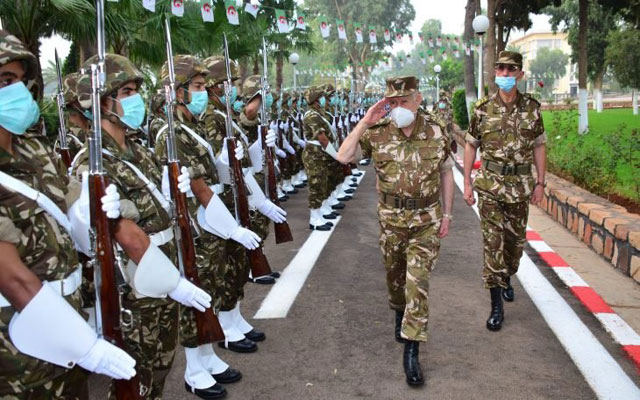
{"type": "Point", "coordinates": [34, 47]}
{"type": "Point", "coordinates": [583, 120]}
{"type": "Point", "coordinates": [490, 46]}
{"type": "Point", "coordinates": [597, 92]}
{"type": "Point", "coordinates": [244, 68]}
{"type": "Point", "coordinates": [634, 101]}
{"type": "Point", "coordinates": [256, 65]}
{"type": "Point", "coordinates": [469, 76]}
{"type": "Point", "coordinates": [279, 64]}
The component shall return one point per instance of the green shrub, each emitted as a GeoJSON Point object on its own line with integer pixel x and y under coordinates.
{"type": "Point", "coordinates": [460, 109]}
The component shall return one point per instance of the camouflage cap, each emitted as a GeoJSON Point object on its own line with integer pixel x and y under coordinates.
{"type": "Point", "coordinates": [158, 101]}
{"type": "Point", "coordinates": [401, 86]}
{"type": "Point", "coordinates": [218, 70]}
{"type": "Point", "coordinates": [77, 87]}
{"type": "Point", "coordinates": [328, 89]}
{"type": "Point", "coordinates": [185, 67]}
{"type": "Point", "coordinates": [119, 71]}
{"type": "Point", "coordinates": [12, 49]}
{"type": "Point", "coordinates": [251, 87]}
{"type": "Point", "coordinates": [313, 93]}
{"type": "Point", "coordinates": [509, 58]}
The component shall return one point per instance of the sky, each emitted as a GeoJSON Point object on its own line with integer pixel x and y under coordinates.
{"type": "Point", "coordinates": [450, 12]}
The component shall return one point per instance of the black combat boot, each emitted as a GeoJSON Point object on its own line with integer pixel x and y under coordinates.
{"type": "Point", "coordinates": [508, 293]}
{"type": "Point", "coordinates": [411, 363]}
{"type": "Point", "coordinates": [399, 315]}
{"type": "Point", "coordinates": [494, 323]}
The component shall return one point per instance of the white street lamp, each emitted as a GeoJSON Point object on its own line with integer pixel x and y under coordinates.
{"type": "Point", "coordinates": [293, 59]}
{"type": "Point", "coordinates": [480, 25]}
{"type": "Point", "coordinates": [437, 68]}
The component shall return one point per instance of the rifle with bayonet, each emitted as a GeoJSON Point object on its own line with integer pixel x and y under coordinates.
{"type": "Point", "coordinates": [111, 317]}
{"type": "Point", "coordinates": [208, 327]}
{"type": "Point", "coordinates": [62, 129]}
{"type": "Point", "coordinates": [282, 231]}
{"type": "Point", "coordinates": [257, 260]}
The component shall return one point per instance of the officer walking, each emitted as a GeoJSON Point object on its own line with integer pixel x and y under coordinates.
{"type": "Point", "coordinates": [415, 184]}
{"type": "Point", "coordinates": [508, 128]}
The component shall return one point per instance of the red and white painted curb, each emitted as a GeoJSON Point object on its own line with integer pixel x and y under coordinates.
{"type": "Point", "coordinates": [619, 330]}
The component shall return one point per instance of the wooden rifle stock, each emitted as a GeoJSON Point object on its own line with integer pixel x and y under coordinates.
{"type": "Point", "coordinates": [282, 231]}
{"type": "Point", "coordinates": [66, 157]}
{"type": "Point", "coordinates": [208, 326]}
{"type": "Point", "coordinates": [257, 260]}
{"type": "Point", "coordinates": [109, 299]}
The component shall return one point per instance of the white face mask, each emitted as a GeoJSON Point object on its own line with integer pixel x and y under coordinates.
{"type": "Point", "coordinates": [402, 117]}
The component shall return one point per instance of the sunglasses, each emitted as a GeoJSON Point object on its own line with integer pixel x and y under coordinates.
{"type": "Point", "coordinates": [510, 68]}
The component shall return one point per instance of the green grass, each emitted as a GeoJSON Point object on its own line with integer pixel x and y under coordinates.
{"type": "Point", "coordinates": [604, 161]}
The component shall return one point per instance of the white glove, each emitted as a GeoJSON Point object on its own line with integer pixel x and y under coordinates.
{"type": "Point", "coordinates": [246, 237]}
{"type": "Point", "coordinates": [281, 125]}
{"type": "Point", "coordinates": [270, 139]}
{"type": "Point", "coordinates": [273, 212]}
{"type": "Point", "coordinates": [354, 118]}
{"type": "Point", "coordinates": [105, 358]}
{"type": "Point", "coordinates": [281, 153]}
{"type": "Point", "coordinates": [111, 202]}
{"type": "Point", "coordinates": [184, 180]}
{"type": "Point", "coordinates": [224, 155]}
{"type": "Point", "coordinates": [273, 125]}
{"type": "Point", "coordinates": [288, 147]}
{"type": "Point", "coordinates": [286, 125]}
{"type": "Point", "coordinates": [340, 124]}
{"type": "Point", "coordinates": [188, 294]}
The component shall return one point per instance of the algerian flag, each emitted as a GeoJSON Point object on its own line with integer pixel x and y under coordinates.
{"type": "Point", "coordinates": [430, 41]}
{"type": "Point", "coordinates": [439, 41]}
{"type": "Point", "coordinates": [456, 53]}
{"type": "Point", "coordinates": [177, 8]}
{"type": "Point", "coordinates": [467, 49]}
{"type": "Point", "coordinates": [232, 13]}
{"type": "Point", "coordinates": [207, 12]}
{"type": "Point", "coordinates": [422, 57]}
{"type": "Point", "coordinates": [421, 36]}
{"type": "Point", "coordinates": [342, 33]}
{"type": "Point", "coordinates": [281, 21]}
{"type": "Point", "coordinates": [399, 36]}
{"type": "Point", "coordinates": [430, 54]}
{"type": "Point", "coordinates": [358, 28]}
{"type": "Point", "coordinates": [372, 35]}
{"type": "Point", "coordinates": [410, 37]}
{"type": "Point", "coordinates": [387, 35]}
{"type": "Point", "coordinates": [149, 5]}
{"type": "Point", "coordinates": [444, 53]}
{"type": "Point", "coordinates": [447, 41]}
{"type": "Point", "coordinates": [300, 23]}
{"type": "Point", "coordinates": [325, 30]}
{"type": "Point", "coordinates": [252, 9]}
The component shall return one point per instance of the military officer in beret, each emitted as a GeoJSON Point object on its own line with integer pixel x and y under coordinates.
{"type": "Point", "coordinates": [412, 160]}
{"type": "Point", "coordinates": [508, 128]}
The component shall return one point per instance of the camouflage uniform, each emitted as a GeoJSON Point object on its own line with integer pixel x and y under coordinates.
{"type": "Point", "coordinates": [506, 135]}
{"type": "Point", "coordinates": [409, 168]}
{"type": "Point", "coordinates": [76, 136]}
{"type": "Point", "coordinates": [446, 115]}
{"type": "Point", "coordinates": [314, 157]}
{"type": "Point", "coordinates": [43, 246]}
{"type": "Point", "coordinates": [153, 337]}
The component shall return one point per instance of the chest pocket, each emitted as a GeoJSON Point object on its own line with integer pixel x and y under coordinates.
{"type": "Point", "coordinates": [491, 134]}
{"type": "Point", "coordinates": [527, 129]}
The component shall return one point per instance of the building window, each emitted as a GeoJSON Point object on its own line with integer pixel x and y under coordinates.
{"type": "Point", "coordinates": [544, 43]}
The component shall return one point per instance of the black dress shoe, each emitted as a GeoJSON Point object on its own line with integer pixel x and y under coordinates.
{"type": "Point", "coordinates": [338, 206]}
{"type": "Point", "coordinates": [494, 323]}
{"type": "Point", "coordinates": [344, 198]}
{"type": "Point", "coordinates": [230, 375]}
{"type": "Point", "coordinates": [282, 199]}
{"type": "Point", "coordinates": [357, 174]}
{"type": "Point", "coordinates": [329, 216]}
{"type": "Point", "coordinates": [241, 346]}
{"type": "Point", "coordinates": [354, 179]}
{"type": "Point", "coordinates": [353, 185]}
{"type": "Point", "coordinates": [255, 335]}
{"type": "Point", "coordinates": [399, 316]}
{"type": "Point", "coordinates": [214, 392]}
{"type": "Point", "coordinates": [412, 369]}
{"type": "Point", "coordinates": [508, 293]}
{"type": "Point", "coordinates": [264, 280]}
{"type": "Point", "coordinates": [294, 191]}
{"type": "Point", "coordinates": [299, 185]}
{"type": "Point", "coordinates": [324, 227]}
{"type": "Point", "coordinates": [349, 191]}
{"type": "Point", "coordinates": [275, 274]}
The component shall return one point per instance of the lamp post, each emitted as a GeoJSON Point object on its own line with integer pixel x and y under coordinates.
{"type": "Point", "coordinates": [437, 68]}
{"type": "Point", "coordinates": [480, 25]}
{"type": "Point", "coordinates": [293, 59]}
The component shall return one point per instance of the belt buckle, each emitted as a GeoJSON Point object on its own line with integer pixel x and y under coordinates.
{"type": "Point", "coordinates": [508, 169]}
{"type": "Point", "coordinates": [411, 204]}
{"type": "Point", "coordinates": [397, 202]}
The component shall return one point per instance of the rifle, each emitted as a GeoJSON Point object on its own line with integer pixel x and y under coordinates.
{"type": "Point", "coordinates": [257, 260]}
{"type": "Point", "coordinates": [282, 231]}
{"type": "Point", "coordinates": [207, 324]}
{"type": "Point", "coordinates": [110, 315]}
{"type": "Point", "coordinates": [62, 129]}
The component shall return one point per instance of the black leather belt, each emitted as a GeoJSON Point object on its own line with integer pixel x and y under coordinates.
{"type": "Point", "coordinates": [506, 169]}
{"type": "Point", "coordinates": [409, 203]}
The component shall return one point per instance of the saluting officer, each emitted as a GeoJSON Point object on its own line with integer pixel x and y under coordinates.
{"type": "Point", "coordinates": [508, 128]}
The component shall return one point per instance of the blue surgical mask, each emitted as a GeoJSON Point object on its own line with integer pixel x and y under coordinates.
{"type": "Point", "coordinates": [133, 111]}
{"type": "Point", "coordinates": [268, 100]}
{"type": "Point", "coordinates": [333, 101]}
{"type": "Point", "coordinates": [441, 106]}
{"type": "Point", "coordinates": [299, 103]}
{"type": "Point", "coordinates": [506, 83]}
{"type": "Point", "coordinates": [289, 102]}
{"type": "Point", "coordinates": [199, 102]}
{"type": "Point", "coordinates": [344, 103]}
{"type": "Point", "coordinates": [237, 105]}
{"type": "Point", "coordinates": [322, 101]}
{"type": "Point", "coordinates": [234, 96]}
{"type": "Point", "coordinates": [87, 114]}
{"type": "Point", "coordinates": [18, 110]}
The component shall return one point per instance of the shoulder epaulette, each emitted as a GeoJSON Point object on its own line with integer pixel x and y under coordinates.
{"type": "Point", "coordinates": [482, 101]}
{"type": "Point", "coordinates": [528, 96]}
{"type": "Point", "coordinates": [382, 122]}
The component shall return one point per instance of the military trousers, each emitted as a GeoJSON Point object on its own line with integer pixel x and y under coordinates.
{"type": "Point", "coordinates": [504, 228]}
{"type": "Point", "coordinates": [318, 178]}
{"type": "Point", "coordinates": [409, 256]}
{"type": "Point", "coordinates": [71, 385]}
{"type": "Point", "coordinates": [211, 256]}
{"type": "Point", "coordinates": [152, 341]}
